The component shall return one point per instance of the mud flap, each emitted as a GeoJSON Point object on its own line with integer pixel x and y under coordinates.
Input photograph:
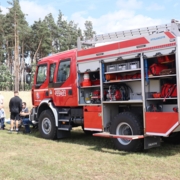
{"type": "Point", "coordinates": [63, 134]}
{"type": "Point", "coordinates": [151, 142]}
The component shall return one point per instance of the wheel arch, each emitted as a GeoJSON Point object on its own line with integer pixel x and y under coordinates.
{"type": "Point", "coordinates": [47, 104]}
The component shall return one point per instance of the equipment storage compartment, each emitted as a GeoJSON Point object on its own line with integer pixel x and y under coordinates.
{"type": "Point", "coordinates": [169, 107]}
{"type": "Point", "coordinates": [89, 87]}
{"type": "Point", "coordinates": [111, 68]}
{"type": "Point", "coordinates": [92, 118]}
{"type": "Point", "coordinates": [161, 84]}
{"type": "Point", "coordinates": [133, 65]}
{"type": "Point", "coordinates": [124, 84]}
{"type": "Point", "coordinates": [122, 67]}
{"type": "Point", "coordinates": [135, 95]}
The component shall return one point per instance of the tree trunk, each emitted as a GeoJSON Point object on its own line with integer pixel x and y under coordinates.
{"type": "Point", "coordinates": [16, 57]}
{"type": "Point", "coordinates": [34, 60]}
{"type": "Point", "coordinates": [22, 68]}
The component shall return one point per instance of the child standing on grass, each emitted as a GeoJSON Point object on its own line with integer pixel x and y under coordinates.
{"type": "Point", "coordinates": [2, 116]}
{"type": "Point", "coordinates": [2, 112]}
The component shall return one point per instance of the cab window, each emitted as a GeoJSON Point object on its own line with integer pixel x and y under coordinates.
{"type": "Point", "coordinates": [41, 74]}
{"type": "Point", "coordinates": [63, 71]}
{"type": "Point", "coordinates": [51, 73]}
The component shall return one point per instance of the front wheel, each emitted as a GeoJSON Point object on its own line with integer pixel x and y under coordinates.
{"type": "Point", "coordinates": [47, 126]}
{"type": "Point", "coordinates": [127, 123]}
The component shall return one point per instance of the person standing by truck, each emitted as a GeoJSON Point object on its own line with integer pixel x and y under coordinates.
{"type": "Point", "coordinates": [15, 107]}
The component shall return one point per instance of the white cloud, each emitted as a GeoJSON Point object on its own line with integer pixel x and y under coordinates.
{"type": "Point", "coordinates": [155, 7]}
{"type": "Point", "coordinates": [129, 4]}
{"type": "Point", "coordinates": [123, 19]}
{"type": "Point", "coordinates": [4, 10]}
{"type": "Point", "coordinates": [116, 21]}
{"type": "Point", "coordinates": [35, 11]}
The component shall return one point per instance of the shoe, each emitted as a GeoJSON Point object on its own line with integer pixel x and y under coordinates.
{"type": "Point", "coordinates": [24, 132]}
{"type": "Point", "coordinates": [34, 122]}
{"type": "Point", "coordinates": [10, 131]}
{"type": "Point", "coordinates": [17, 131]}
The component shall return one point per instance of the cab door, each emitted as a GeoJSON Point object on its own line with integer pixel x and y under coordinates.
{"type": "Point", "coordinates": [64, 89]}
{"type": "Point", "coordinates": [41, 84]}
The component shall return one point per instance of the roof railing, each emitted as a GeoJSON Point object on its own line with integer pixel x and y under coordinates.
{"type": "Point", "coordinates": [128, 34]}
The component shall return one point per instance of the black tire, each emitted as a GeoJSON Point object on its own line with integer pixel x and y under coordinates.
{"type": "Point", "coordinates": [127, 123]}
{"type": "Point", "coordinates": [46, 125]}
{"type": "Point", "coordinates": [174, 138]}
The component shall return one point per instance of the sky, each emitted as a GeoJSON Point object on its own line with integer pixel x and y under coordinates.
{"type": "Point", "coordinates": [106, 15]}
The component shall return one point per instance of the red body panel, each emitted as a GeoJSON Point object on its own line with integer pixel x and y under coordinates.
{"type": "Point", "coordinates": [92, 117]}
{"type": "Point", "coordinates": [114, 46]}
{"type": "Point", "coordinates": [61, 95]}
{"type": "Point", "coordinates": [109, 47]}
{"type": "Point", "coordinates": [134, 45]}
{"type": "Point", "coordinates": [161, 123]}
{"type": "Point", "coordinates": [134, 42]}
{"type": "Point", "coordinates": [65, 94]}
{"type": "Point", "coordinates": [170, 35]}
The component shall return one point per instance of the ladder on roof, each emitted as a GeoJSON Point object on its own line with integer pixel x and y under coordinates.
{"type": "Point", "coordinates": [127, 34]}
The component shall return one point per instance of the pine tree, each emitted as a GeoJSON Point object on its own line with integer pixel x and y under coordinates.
{"type": "Point", "coordinates": [15, 24]}
{"type": "Point", "coordinates": [41, 41]}
{"type": "Point", "coordinates": [62, 35]}
{"type": "Point", "coordinates": [68, 33]}
{"type": "Point", "coordinates": [53, 29]}
{"type": "Point", "coordinates": [2, 38]}
{"type": "Point", "coordinates": [88, 32]}
{"type": "Point", "coordinates": [18, 40]}
{"type": "Point", "coordinates": [73, 33]}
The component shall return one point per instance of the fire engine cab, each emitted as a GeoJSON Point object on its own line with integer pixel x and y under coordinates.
{"type": "Point", "coordinates": [127, 90]}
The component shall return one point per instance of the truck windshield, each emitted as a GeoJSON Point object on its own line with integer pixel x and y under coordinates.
{"type": "Point", "coordinates": [42, 74]}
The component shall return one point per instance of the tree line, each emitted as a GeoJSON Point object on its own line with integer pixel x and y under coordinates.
{"type": "Point", "coordinates": [19, 41]}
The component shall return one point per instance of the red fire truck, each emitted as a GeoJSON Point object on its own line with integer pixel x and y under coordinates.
{"type": "Point", "coordinates": [127, 90]}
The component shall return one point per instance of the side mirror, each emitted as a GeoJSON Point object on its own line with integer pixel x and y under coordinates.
{"type": "Point", "coordinates": [28, 78]}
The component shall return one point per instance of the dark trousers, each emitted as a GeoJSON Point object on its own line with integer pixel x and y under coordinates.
{"type": "Point", "coordinates": [2, 122]}
{"type": "Point", "coordinates": [26, 122]}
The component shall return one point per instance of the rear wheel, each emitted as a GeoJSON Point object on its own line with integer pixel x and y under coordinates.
{"type": "Point", "coordinates": [127, 123]}
{"type": "Point", "coordinates": [47, 126]}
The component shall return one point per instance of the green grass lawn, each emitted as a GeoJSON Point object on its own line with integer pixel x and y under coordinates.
{"type": "Point", "coordinates": [82, 157]}
{"type": "Point", "coordinates": [25, 157]}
